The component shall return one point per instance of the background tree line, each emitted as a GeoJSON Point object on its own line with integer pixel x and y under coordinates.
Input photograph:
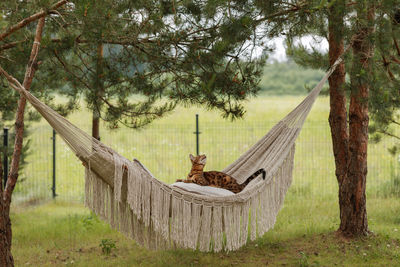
{"type": "Point", "coordinates": [288, 78]}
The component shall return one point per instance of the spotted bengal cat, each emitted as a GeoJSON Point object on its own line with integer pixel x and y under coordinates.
{"type": "Point", "coordinates": [215, 178]}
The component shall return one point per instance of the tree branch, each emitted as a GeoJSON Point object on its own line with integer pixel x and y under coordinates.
{"type": "Point", "coordinates": [14, 83]}
{"type": "Point", "coordinates": [388, 134]}
{"type": "Point", "coordinates": [395, 60]}
{"type": "Point", "coordinates": [69, 71]}
{"type": "Point", "coordinates": [283, 12]}
{"type": "Point", "coordinates": [19, 121]}
{"type": "Point", "coordinates": [30, 19]}
{"type": "Point", "coordinates": [395, 122]}
{"type": "Point", "coordinates": [11, 45]}
{"type": "Point", "coordinates": [396, 45]}
{"type": "Point", "coordinates": [386, 64]}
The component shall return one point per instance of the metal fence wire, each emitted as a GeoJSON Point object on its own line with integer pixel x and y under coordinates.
{"type": "Point", "coordinates": [164, 151]}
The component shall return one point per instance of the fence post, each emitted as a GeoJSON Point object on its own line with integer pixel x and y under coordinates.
{"type": "Point", "coordinates": [197, 132]}
{"type": "Point", "coordinates": [5, 156]}
{"type": "Point", "coordinates": [53, 188]}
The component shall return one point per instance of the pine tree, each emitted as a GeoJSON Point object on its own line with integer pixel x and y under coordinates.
{"type": "Point", "coordinates": [353, 24]}
{"type": "Point", "coordinates": [385, 104]}
{"type": "Point", "coordinates": [14, 52]}
{"type": "Point", "coordinates": [193, 53]}
{"type": "Point", "coordinates": [135, 61]}
{"type": "Point", "coordinates": [356, 24]}
{"type": "Point", "coordinates": [13, 37]}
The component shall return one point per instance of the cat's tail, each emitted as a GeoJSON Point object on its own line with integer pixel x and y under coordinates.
{"type": "Point", "coordinates": [255, 175]}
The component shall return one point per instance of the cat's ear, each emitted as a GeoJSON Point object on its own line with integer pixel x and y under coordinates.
{"type": "Point", "coordinates": [192, 158]}
{"type": "Point", "coordinates": [203, 160]}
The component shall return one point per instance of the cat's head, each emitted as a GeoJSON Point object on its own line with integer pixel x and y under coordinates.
{"type": "Point", "coordinates": [198, 160]}
{"type": "Point", "coordinates": [197, 166]}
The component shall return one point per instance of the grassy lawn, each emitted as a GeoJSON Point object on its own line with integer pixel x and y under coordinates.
{"type": "Point", "coordinates": [65, 234]}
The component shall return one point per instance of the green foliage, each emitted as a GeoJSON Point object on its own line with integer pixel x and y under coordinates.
{"type": "Point", "coordinates": [107, 245]}
{"type": "Point", "coordinates": [385, 100]}
{"type": "Point", "coordinates": [350, 22]}
{"type": "Point", "coordinates": [133, 62]}
{"type": "Point", "coordinates": [288, 78]}
{"type": "Point", "coordinates": [14, 61]}
{"type": "Point", "coordinates": [155, 55]}
{"type": "Point", "coordinates": [314, 59]}
{"type": "Point", "coordinates": [89, 221]}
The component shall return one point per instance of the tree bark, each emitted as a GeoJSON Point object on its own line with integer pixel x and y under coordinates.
{"type": "Point", "coordinates": [19, 121]}
{"type": "Point", "coordinates": [350, 141]}
{"type": "Point", "coordinates": [31, 19]}
{"type": "Point", "coordinates": [6, 258]}
{"type": "Point", "coordinates": [5, 253]}
{"type": "Point", "coordinates": [96, 125]}
{"type": "Point", "coordinates": [352, 188]}
{"type": "Point", "coordinates": [5, 202]}
{"type": "Point", "coordinates": [338, 112]}
{"type": "Point", "coordinates": [98, 86]}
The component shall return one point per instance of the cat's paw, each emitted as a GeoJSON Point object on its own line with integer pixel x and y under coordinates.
{"type": "Point", "coordinates": [178, 181]}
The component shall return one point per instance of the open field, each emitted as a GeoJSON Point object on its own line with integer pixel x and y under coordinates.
{"type": "Point", "coordinates": [64, 234]}
{"type": "Point", "coordinates": [164, 147]}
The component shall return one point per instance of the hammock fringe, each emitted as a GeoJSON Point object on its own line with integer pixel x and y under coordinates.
{"type": "Point", "coordinates": [157, 218]}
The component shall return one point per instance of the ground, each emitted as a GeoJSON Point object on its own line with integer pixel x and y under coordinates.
{"type": "Point", "coordinates": [58, 234]}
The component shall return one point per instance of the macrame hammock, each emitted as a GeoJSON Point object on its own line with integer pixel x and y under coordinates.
{"type": "Point", "coordinates": [160, 216]}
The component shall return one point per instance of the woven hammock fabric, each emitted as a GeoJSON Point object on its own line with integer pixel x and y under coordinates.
{"type": "Point", "coordinates": [156, 215]}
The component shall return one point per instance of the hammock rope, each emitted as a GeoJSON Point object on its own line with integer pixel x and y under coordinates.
{"type": "Point", "coordinates": [159, 216]}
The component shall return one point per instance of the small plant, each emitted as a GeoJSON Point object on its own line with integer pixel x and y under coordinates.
{"type": "Point", "coordinates": [88, 222]}
{"type": "Point", "coordinates": [303, 262]}
{"type": "Point", "coordinates": [107, 245]}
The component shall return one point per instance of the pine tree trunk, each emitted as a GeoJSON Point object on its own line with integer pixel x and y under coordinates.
{"type": "Point", "coordinates": [350, 143]}
{"type": "Point", "coordinates": [352, 189]}
{"type": "Point", "coordinates": [99, 92]}
{"type": "Point", "coordinates": [6, 258]}
{"type": "Point", "coordinates": [338, 112]}
{"type": "Point", "coordinates": [96, 125]}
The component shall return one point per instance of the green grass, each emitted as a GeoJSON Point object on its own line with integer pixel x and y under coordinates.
{"type": "Point", "coordinates": [59, 233]}
{"type": "Point", "coordinates": [163, 147]}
